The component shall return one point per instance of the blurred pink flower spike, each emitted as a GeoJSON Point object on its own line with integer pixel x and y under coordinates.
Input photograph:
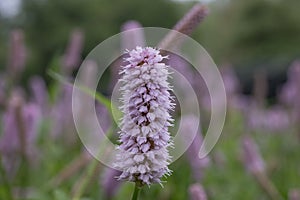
{"type": "Point", "coordinates": [255, 164]}
{"type": "Point", "coordinates": [21, 121]}
{"type": "Point", "coordinates": [133, 35]}
{"type": "Point", "coordinates": [252, 158]}
{"type": "Point", "coordinates": [289, 91]}
{"type": "Point", "coordinates": [39, 93]}
{"type": "Point", "coordinates": [17, 53]}
{"type": "Point", "coordinates": [273, 119]}
{"type": "Point", "coordinates": [72, 56]}
{"type": "Point", "coordinates": [197, 192]}
{"type": "Point", "coordinates": [61, 112]}
{"type": "Point", "coordinates": [186, 26]}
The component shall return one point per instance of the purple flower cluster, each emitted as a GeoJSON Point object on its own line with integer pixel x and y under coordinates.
{"type": "Point", "coordinates": [252, 158]}
{"type": "Point", "coordinates": [20, 128]}
{"type": "Point", "coordinates": [143, 156]}
{"type": "Point", "coordinates": [273, 119]}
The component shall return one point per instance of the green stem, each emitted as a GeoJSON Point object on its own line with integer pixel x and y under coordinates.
{"type": "Point", "coordinates": [7, 192]}
{"type": "Point", "coordinates": [136, 192]}
{"type": "Point", "coordinates": [84, 182]}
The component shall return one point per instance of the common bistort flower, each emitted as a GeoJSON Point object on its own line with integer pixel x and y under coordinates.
{"type": "Point", "coordinates": [144, 138]}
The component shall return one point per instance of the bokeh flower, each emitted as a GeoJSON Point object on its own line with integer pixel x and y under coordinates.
{"type": "Point", "coordinates": [197, 192]}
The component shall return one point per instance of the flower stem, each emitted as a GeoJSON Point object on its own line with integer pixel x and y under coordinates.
{"type": "Point", "coordinates": [136, 192]}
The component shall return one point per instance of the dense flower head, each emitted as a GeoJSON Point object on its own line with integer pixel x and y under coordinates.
{"type": "Point", "coordinates": [144, 138]}
{"type": "Point", "coordinates": [141, 56]}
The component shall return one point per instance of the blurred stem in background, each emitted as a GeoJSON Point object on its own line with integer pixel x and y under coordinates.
{"type": "Point", "coordinates": [5, 191]}
{"type": "Point", "coordinates": [80, 187]}
{"type": "Point", "coordinates": [267, 185]}
{"type": "Point", "coordinates": [70, 169]}
{"type": "Point", "coordinates": [255, 164]}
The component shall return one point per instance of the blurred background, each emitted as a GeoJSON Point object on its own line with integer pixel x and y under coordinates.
{"type": "Point", "coordinates": [255, 43]}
